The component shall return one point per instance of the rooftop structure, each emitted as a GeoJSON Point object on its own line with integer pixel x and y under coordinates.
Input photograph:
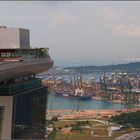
{"type": "Point", "coordinates": [14, 38]}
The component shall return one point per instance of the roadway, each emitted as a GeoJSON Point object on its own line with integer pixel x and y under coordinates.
{"type": "Point", "coordinates": [130, 136]}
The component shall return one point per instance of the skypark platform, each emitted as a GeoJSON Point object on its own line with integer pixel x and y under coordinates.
{"type": "Point", "coordinates": [16, 63]}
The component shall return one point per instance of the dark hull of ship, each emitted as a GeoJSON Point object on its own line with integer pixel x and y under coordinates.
{"type": "Point", "coordinates": [83, 97]}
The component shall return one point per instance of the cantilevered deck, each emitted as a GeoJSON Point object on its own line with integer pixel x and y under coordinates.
{"type": "Point", "coordinates": [12, 70]}
{"type": "Point", "coordinates": [31, 63]}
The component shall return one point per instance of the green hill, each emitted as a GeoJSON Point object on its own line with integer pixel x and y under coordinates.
{"type": "Point", "coordinates": [129, 67]}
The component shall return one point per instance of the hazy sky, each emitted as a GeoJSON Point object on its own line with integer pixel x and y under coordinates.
{"type": "Point", "coordinates": [88, 33]}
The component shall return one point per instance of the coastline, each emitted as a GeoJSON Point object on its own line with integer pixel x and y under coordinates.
{"type": "Point", "coordinates": [73, 114]}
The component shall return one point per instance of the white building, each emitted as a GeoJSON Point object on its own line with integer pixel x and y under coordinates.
{"type": "Point", "coordinates": [14, 38]}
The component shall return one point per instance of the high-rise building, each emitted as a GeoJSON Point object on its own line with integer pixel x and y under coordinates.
{"type": "Point", "coordinates": [23, 97]}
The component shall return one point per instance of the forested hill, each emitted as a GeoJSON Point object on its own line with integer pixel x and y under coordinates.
{"type": "Point", "coordinates": [129, 67]}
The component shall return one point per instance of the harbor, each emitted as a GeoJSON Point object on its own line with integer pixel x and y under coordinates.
{"type": "Point", "coordinates": [59, 103]}
{"type": "Point", "coordinates": [114, 90]}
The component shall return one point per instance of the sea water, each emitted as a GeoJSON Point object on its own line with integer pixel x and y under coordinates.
{"type": "Point", "coordinates": [59, 102]}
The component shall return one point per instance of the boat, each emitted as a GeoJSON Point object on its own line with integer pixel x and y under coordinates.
{"type": "Point", "coordinates": [82, 97]}
{"type": "Point", "coordinates": [66, 95]}
{"type": "Point", "coordinates": [75, 90]}
{"type": "Point", "coordinates": [79, 93]}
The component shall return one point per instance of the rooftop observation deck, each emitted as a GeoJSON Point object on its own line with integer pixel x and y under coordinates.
{"type": "Point", "coordinates": [16, 63]}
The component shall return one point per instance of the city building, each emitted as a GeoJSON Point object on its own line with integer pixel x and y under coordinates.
{"type": "Point", "coordinates": [23, 97]}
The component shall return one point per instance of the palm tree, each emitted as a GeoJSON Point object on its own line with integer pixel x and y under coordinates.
{"type": "Point", "coordinates": [42, 52]}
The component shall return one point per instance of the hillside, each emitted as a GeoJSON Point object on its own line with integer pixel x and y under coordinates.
{"type": "Point", "coordinates": [129, 67]}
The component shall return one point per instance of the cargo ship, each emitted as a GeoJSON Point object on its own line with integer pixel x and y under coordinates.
{"type": "Point", "coordinates": [78, 93]}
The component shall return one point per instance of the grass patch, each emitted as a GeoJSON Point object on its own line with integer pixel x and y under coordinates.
{"type": "Point", "coordinates": [101, 132]}
{"type": "Point", "coordinates": [102, 126]}
{"type": "Point", "coordinates": [52, 135]}
{"type": "Point", "coordinates": [64, 123]}
{"type": "Point", "coordinates": [84, 135]}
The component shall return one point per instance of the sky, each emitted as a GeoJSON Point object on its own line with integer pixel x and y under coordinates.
{"type": "Point", "coordinates": [79, 32]}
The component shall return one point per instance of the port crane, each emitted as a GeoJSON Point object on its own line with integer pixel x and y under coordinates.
{"type": "Point", "coordinates": [103, 85]}
{"type": "Point", "coordinates": [129, 97]}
